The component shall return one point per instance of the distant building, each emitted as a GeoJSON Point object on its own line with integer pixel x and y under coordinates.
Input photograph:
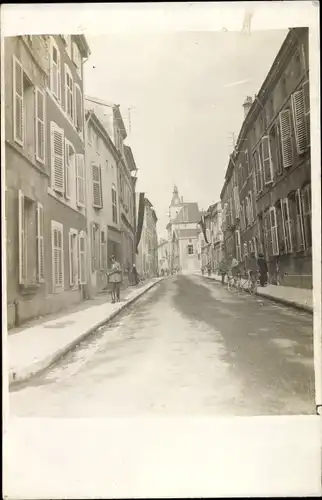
{"type": "Point", "coordinates": [147, 257]}
{"type": "Point", "coordinates": [211, 241]}
{"type": "Point", "coordinates": [45, 169]}
{"type": "Point", "coordinates": [183, 233]}
{"type": "Point", "coordinates": [163, 255]}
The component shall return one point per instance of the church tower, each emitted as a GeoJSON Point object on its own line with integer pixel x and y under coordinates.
{"type": "Point", "coordinates": [176, 204]}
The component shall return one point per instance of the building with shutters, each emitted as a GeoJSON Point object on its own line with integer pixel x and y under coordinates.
{"type": "Point", "coordinates": [46, 225]}
{"type": "Point", "coordinates": [120, 240]}
{"type": "Point", "coordinates": [102, 201]}
{"type": "Point", "coordinates": [266, 197]}
{"type": "Point", "coordinates": [163, 255]}
{"type": "Point", "coordinates": [183, 233]}
{"type": "Point", "coordinates": [147, 256]}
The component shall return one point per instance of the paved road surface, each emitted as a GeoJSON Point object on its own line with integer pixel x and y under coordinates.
{"type": "Point", "coordinates": [187, 347]}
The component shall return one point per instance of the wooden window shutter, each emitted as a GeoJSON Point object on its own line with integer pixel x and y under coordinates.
{"type": "Point", "coordinates": [40, 125]}
{"type": "Point", "coordinates": [82, 257]}
{"type": "Point", "coordinates": [306, 90]}
{"type": "Point", "coordinates": [40, 243]}
{"type": "Point", "coordinates": [78, 109]}
{"type": "Point", "coordinates": [55, 71]}
{"type": "Point", "coordinates": [21, 228]}
{"type": "Point", "coordinates": [300, 215]}
{"type": "Point", "coordinates": [97, 186]}
{"type": "Point", "coordinates": [57, 158]}
{"type": "Point", "coordinates": [286, 138]}
{"type": "Point", "coordinates": [298, 105]}
{"type": "Point", "coordinates": [284, 226]}
{"type": "Point", "coordinates": [273, 223]}
{"type": "Point", "coordinates": [266, 160]}
{"type": "Point", "coordinates": [71, 257]}
{"type": "Point", "coordinates": [57, 255]}
{"type": "Point", "coordinates": [80, 180]}
{"type": "Point", "coordinates": [18, 107]}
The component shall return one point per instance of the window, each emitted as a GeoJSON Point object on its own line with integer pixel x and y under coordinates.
{"type": "Point", "coordinates": [299, 118]}
{"type": "Point", "coordinates": [82, 257]}
{"type": "Point", "coordinates": [258, 175]}
{"type": "Point", "coordinates": [287, 225]}
{"type": "Point", "coordinates": [80, 180]}
{"type": "Point", "coordinates": [40, 244]}
{"type": "Point", "coordinates": [69, 93]}
{"type": "Point", "coordinates": [73, 258]}
{"type": "Point", "coordinates": [253, 246]}
{"type": "Point", "coordinates": [240, 176]}
{"type": "Point", "coordinates": [268, 233]}
{"type": "Point", "coordinates": [57, 255]}
{"type": "Point", "coordinates": [247, 163]}
{"type": "Point", "coordinates": [70, 161]}
{"type": "Point", "coordinates": [246, 212]}
{"type": "Point", "coordinates": [78, 112]}
{"type": "Point", "coordinates": [275, 148]}
{"type": "Point", "coordinates": [297, 64]}
{"type": "Point", "coordinates": [55, 71]}
{"type": "Point", "coordinates": [267, 160]}
{"type": "Point", "coordinates": [286, 138]}
{"type": "Point", "coordinates": [190, 249]}
{"type": "Point", "coordinates": [238, 246]}
{"type": "Point", "coordinates": [95, 246]}
{"type": "Point", "coordinates": [114, 204]}
{"type": "Point", "coordinates": [57, 158]}
{"type": "Point", "coordinates": [237, 203]}
{"type": "Point", "coordinates": [306, 90]}
{"type": "Point", "coordinates": [251, 208]}
{"type": "Point", "coordinates": [273, 224]}
{"type": "Point", "coordinates": [28, 241]}
{"type": "Point", "coordinates": [306, 209]}
{"type": "Point", "coordinates": [97, 185]}
{"type": "Point", "coordinates": [103, 252]}
{"type": "Point", "coordinates": [77, 58]}
{"type": "Point", "coordinates": [300, 238]}
{"type": "Point", "coordinates": [242, 217]}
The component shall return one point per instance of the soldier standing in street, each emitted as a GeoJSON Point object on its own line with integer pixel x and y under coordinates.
{"type": "Point", "coordinates": [115, 278]}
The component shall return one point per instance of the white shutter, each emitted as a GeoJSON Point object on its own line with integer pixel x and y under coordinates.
{"type": "Point", "coordinates": [67, 170]}
{"type": "Point", "coordinates": [267, 161]}
{"type": "Point", "coordinates": [288, 225]}
{"type": "Point", "coordinates": [286, 138]}
{"type": "Point", "coordinates": [97, 186]}
{"type": "Point", "coordinates": [18, 106]}
{"type": "Point", "coordinates": [273, 220]}
{"type": "Point", "coordinates": [237, 202]}
{"type": "Point", "coordinates": [299, 202]}
{"type": "Point", "coordinates": [71, 257]}
{"type": "Point", "coordinates": [55, 70]}
{"type": "Point", "coordinates": [78, 108]}
{"type": "Point", "coordinates": [57, 158]}
{"type": "Point", "coordinates": [284, 226]}
{"type": "Point", "coordinates": [69, 93]}
{"type": "Point", "coordinates": [57, 255]}
{"type": "Point", "coordinates": [40, 243]}
{"type": "Point", "coordinates": [93, 244]}
{"type": "Point", "coordinates": [40, 125]}
{"type": "Point", "coordinates": [80, 180]}
{"type": "Point", "coordinates": [306, 90]}
{"type": "Point", "coordinates": [82, 257]}
{"type": "Point", "coordinates": [298, 107]}
{"type": "Point", "coordinates": [21, 238]}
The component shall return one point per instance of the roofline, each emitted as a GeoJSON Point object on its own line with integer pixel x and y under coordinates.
{"type": "Point", "coordinates": [127, 148]}
{"type": "Point", "coordinates": [84, 45]}
{"type": "Point", "coordinates": [119, 118]}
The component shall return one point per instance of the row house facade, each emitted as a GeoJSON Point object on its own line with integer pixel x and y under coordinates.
{"type": "Point", "coordinates": [120, 235]}
{"type": "Point", "coordinates": [163, 255]}
{"type": "Point", "coordinates": [147, 258]}
{"type": "Point", "coordinates": [211, 241]}
{"type": "Point", "coordinates": [45, 169]}
{"type": "Point", "coordinates": [267, 193]}
{"type": "Point", "coordinates": [102, 202]}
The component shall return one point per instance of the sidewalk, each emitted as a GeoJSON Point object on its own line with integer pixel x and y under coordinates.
{"type": "Point", "coordinates": [34, 348]}
{"type": "Point", "coordinates": [300, 298]}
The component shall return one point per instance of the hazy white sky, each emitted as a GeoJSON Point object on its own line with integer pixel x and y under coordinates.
{"type": "Point", "coordinates": [187, 91]}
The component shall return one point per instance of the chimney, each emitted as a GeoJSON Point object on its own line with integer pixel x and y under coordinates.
{"type": "Point", "coordinates": [247, 105]}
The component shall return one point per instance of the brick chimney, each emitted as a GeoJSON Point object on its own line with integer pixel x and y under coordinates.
{"type": "Point", "coordinates": [247, 105]}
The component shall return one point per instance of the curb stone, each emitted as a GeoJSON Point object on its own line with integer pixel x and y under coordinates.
{"type": "Point", "coordinates": [44, 364]}
{"type": "Point", "coordinates": [280, 300]}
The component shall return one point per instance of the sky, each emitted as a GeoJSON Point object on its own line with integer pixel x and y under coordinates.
{"type": "Point", "coordinates": [185, 91]}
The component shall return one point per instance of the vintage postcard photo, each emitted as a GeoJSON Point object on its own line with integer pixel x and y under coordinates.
{"type": "Point", "coordinates": [161, 243]}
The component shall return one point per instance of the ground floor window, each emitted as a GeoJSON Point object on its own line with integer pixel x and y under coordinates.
{"type": "Point", "coordinates": [190, 249]}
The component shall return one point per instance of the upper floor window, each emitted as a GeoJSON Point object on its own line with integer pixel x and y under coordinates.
{"type": "Point", "coordinates": [55, 70]}
{"type": "Point", "coordinates": [190, 249]}
{"type": "Point", "coordinates": [97, 186]}
{"type": "Point", "coordinates": [78, 116]}
{"type": "Point", "coordinates": [114, 204]}
{"type": "Point", "coordinates": [69, 93]}
{"type": "Point", "coordinates": [77, 58]}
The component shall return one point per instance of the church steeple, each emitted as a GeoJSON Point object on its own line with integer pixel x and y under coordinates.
{"type": "Point", "coordinates": [175, 196]}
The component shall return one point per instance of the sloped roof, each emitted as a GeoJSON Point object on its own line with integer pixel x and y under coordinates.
{"type": "Point", "coordinates": [188, 213]}
{"type": "Point", "coordinates": [129, 158]}
{"type": "Point", "coordinates": [187, 233]}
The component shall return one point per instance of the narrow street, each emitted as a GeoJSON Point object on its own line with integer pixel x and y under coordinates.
{"type": "Point", "coordinates": [187, 347]}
